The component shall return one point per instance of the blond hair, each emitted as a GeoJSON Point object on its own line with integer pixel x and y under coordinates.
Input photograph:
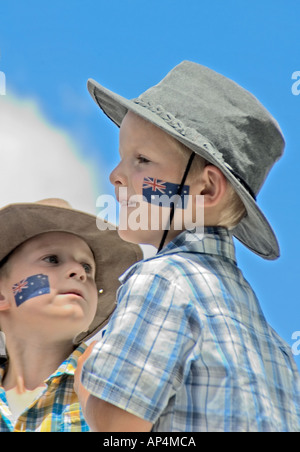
{"type": "Point", "coordinates": [234, 210]}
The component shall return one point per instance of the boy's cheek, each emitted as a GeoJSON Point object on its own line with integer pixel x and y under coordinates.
{"type": "Point", "coordinates": [137, 181]}
{"type": "Point", "coordinates": [31, 287]}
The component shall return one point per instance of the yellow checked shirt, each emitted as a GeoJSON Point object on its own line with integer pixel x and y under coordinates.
{"type": "Point", "coordinates": [56, 410]}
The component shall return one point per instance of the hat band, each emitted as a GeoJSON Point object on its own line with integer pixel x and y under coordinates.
{"type": "Point", "coordinates": [187, 132]}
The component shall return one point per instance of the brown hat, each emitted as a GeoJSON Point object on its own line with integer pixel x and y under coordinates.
{"type": "Point", "coordinates": [113, 256]}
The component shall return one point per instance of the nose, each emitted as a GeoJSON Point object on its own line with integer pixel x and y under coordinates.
{"type": "Point", "coordinates": [76, 271]}
{"type": "Point", "coordinates": [117, 176]}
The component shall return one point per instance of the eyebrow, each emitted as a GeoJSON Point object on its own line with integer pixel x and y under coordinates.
{"type": "Point", "coordinates": [53, 248]}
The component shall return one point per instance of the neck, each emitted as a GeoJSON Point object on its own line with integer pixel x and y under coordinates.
{"type": "Point", "coordinates": [32, 361]}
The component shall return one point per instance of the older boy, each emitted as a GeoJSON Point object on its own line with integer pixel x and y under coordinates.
{"type": "Point", "coordinates": [188, 347]}
{"type": "Point", "coordinates": [58, 279]}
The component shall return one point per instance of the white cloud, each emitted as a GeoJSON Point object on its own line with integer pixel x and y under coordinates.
{"type": "Point", "coordinates": [38, 161]}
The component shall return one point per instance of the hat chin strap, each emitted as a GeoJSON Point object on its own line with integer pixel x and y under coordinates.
{"type": "Point", "coordinates": [179, 191]}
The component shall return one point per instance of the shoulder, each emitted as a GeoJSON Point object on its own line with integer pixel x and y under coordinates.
{"type": "Point", "coordinates": [194, 277]}
{"type": "Point", "coordinates": [182, 264]}
{"type": "Point", "coordinates": [167, 267]}
{"type": "Point", "coordinates": [176, 276]}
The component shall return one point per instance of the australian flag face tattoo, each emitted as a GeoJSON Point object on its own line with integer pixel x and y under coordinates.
{"type": "Point", "coordinates": [160, 192]}
{"type": "Point", "coordinates": [31, 287]}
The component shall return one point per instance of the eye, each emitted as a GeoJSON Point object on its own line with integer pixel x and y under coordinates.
{"type": "Point", "coordinates": [51, 259]}
{"type": "Point", "coordinates": [142, 159]}
{"type": "Point", "coordinates": [87, 268]}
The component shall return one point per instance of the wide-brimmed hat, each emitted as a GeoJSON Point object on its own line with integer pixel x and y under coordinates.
{"type": "Point", "coordinates": [220, 121]}
{"type": "Point", "coordinates": [113, 256]}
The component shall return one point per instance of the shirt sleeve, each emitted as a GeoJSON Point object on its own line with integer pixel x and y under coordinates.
{"type": "Point", "coordinates": [147, 348]}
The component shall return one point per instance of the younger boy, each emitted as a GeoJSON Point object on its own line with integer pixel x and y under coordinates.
{"type": "Point", "coordinates": [58, 278]}
{"type": "Point", "coordinates": [188, 347]}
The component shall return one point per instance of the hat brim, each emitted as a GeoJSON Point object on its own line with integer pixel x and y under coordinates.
{"type": "Point", "coordinates": [113, 256]}
{"type": "Point", "coordinates": [254, 230]}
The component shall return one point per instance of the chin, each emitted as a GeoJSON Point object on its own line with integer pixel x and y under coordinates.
{"type": "Point", "coordinates": [139, 237]}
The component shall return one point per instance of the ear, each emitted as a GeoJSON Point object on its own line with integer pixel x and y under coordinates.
{"type": "Point", "coordinates": [214, 185]}
{"type": "Point", "coordinates": [4, 302]}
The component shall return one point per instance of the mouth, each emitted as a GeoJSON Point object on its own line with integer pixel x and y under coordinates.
{"type": "Point", "coordinates": [73, 292]}
{"type": "Point", "coordinates": [127, 203]}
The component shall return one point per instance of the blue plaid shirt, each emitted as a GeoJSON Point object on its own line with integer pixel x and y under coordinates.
{"type": "Point", "coordinates": [189, 349]}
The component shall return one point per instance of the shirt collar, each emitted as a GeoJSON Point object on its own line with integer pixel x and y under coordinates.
{"type": "Point", "coordinates": [69, 365]}
{"type": "Point", "coordinates": [214, 240]}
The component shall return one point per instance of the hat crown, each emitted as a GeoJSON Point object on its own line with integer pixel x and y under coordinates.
{"type": "Point", "coordinates": [229, 117]}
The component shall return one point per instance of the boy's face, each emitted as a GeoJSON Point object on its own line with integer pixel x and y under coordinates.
{"type": "Point", "coordinates": [68, 301]}
{"type": "Point", "coordinates": [146, 152]}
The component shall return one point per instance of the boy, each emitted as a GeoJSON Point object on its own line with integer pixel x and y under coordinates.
{"type": "Point", "coordinates": [58, 279]}
{"type": "Point", "coordinates": [188, 347]}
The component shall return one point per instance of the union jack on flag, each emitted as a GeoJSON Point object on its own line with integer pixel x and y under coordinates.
{"type": "Point", "coordinates": [155, 184]}
{"type": "Point", "coordinates": [17, 288]}
{"type": "Point", "coordinates": [153, 189]}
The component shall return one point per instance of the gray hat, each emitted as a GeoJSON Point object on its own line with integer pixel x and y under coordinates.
{"type": "Point", "coordinates": [220, 121]}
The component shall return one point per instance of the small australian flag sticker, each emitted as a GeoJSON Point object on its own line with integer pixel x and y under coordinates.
{"type": "Point", "coordinates": [31, 287]}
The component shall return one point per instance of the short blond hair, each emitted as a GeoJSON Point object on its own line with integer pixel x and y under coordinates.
{"type": "Point", "coordinates": [235, 210]}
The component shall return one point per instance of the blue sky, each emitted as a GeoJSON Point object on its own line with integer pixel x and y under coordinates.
{"type": "Point", "coordinates": [48, 53]}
